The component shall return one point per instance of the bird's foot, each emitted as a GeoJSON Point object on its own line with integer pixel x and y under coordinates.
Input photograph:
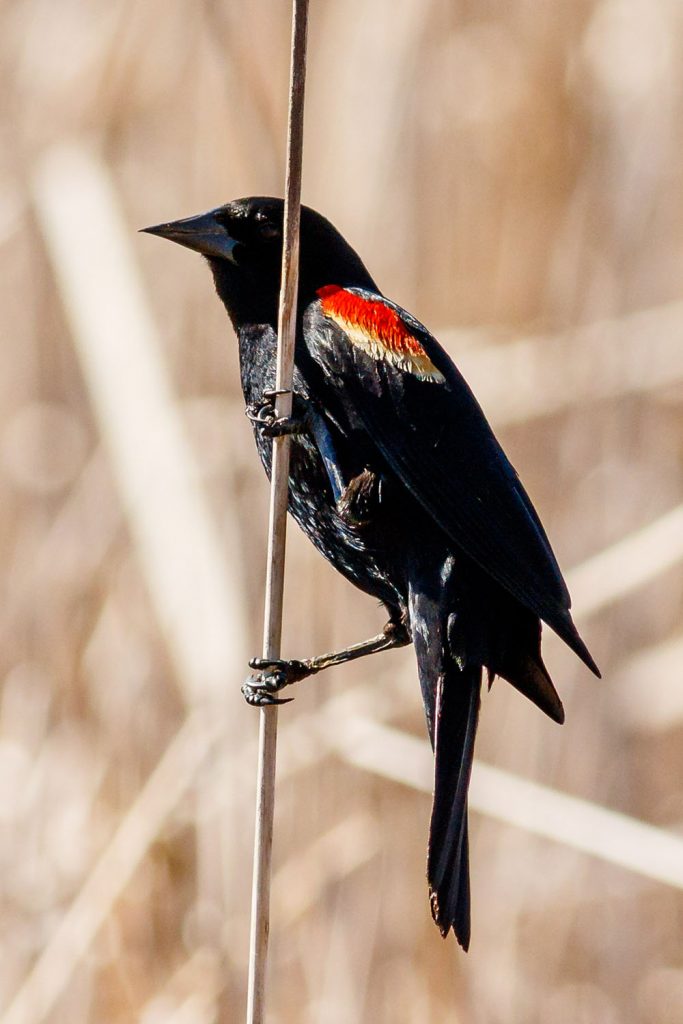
{"type": "Point", "coordinates": [272, 676]}
{"type": "Point", "coordinates": [258, 695]}
{"type": "Point", "coordinates": [263, 415]}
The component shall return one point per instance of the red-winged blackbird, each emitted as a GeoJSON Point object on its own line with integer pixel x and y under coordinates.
{"type": "Point", "coordinates": [398, 480]}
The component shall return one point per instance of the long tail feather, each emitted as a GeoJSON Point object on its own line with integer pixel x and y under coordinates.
{"type": "Point", "coordinates": [451, 699]}
{"type": "Point", "coordinates": [448, 857]}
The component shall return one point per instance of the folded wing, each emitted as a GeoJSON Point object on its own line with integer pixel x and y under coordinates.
{"type": "Point", "coordinates": [400, 387]}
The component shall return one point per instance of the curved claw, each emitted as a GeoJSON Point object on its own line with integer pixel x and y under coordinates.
{"type": "Point", "coordinates": [263, 415]}
{"type": "Point", "coordinates": [273, 676]}
{"type": "Point", "coordinates": [272, 427]}
{"type": "Point", "coordinates": [259, 696]}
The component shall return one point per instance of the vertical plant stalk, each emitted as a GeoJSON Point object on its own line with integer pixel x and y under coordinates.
{"type": "Point", "coordinates": [272, 629]}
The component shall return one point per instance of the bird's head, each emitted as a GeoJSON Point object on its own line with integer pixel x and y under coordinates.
{"type": "Point", "coordinates": [242, 241]}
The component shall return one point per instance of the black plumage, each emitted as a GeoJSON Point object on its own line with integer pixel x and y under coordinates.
{"type": "Point", "coordinates": [398, 480]}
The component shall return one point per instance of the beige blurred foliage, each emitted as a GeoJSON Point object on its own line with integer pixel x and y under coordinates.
{"type": "Point", "coordinates": [508, 170]}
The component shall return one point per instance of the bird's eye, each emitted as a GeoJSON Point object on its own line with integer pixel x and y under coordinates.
{"type": "Point", "coordinates": [267, 229]}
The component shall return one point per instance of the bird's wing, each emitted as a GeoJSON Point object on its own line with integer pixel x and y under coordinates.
{"type": "Point", "coordinates": [400, 387]}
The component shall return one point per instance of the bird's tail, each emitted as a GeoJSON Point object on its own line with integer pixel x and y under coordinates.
{"type": "Point", "coordinates": [457, 710]}
{"type": "Point", "coordinates": [451, 699]}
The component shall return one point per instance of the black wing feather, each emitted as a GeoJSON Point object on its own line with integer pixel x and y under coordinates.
{"type": "Point", "coordinates": [435, 437]}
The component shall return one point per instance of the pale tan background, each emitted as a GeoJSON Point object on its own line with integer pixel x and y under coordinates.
{"type": "Point", "coordinates": [507, 168]}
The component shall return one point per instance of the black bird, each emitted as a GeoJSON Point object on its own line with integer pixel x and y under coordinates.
{"type": "Point", "coordinates": [398, 480]}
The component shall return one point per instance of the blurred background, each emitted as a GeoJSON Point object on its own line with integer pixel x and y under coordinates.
{"type": "Point", "coordinates": [512, 173]}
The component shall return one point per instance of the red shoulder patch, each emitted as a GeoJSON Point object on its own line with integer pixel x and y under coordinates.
{"type": "Point", "coordinates": [378, 329]}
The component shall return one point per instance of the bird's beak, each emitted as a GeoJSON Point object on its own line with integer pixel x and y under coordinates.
{"type": "Point", "coordinates": [202, 233]}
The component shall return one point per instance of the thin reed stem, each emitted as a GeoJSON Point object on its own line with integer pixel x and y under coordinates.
{"type": "Point", "coordinates": [272, 630]}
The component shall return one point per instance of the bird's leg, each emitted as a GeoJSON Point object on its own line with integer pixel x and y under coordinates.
{"type": "Point", "coordinates": [273, 676]}
{"type": "Point", "coordinates": [262, 414]}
